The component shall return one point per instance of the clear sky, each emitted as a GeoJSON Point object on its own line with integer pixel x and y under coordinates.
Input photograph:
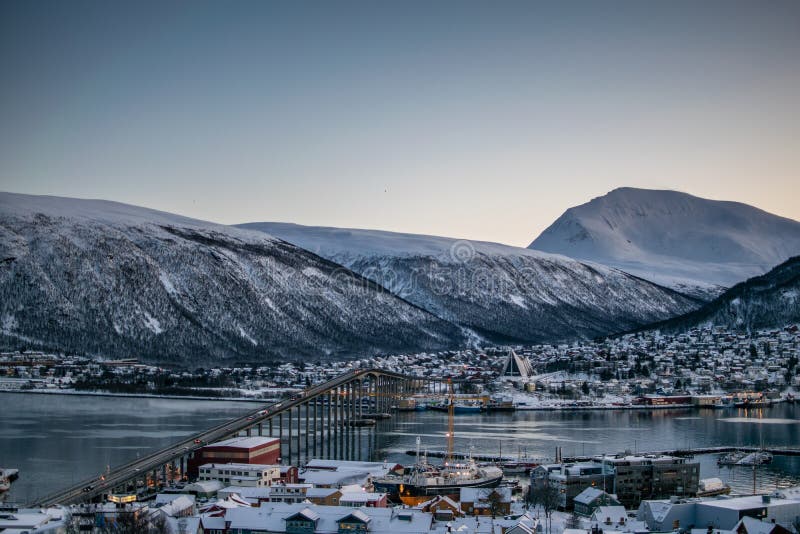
{"type": "Point", "coordinates": [483, 120]}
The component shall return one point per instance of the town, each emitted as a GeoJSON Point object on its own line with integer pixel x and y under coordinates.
{"type": "Point", "coordinates": [646, 368]}
{"type": "Point", "coordinates": [245, 483]}
{"type": "Point", "coordinates": [239, 486]}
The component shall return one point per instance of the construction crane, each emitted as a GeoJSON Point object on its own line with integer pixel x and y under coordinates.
{"type": "Point", "coordinates": [450, 421]}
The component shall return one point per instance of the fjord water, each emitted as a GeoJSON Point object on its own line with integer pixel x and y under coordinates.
{"type": "Point", "coordinates": [57, 440]}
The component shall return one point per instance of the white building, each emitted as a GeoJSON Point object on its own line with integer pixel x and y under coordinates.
{"type": "Point", "coordinates": [251, 475]}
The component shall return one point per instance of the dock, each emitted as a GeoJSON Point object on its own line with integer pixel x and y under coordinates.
{"type": "Point", "coordinates": [775, 451]}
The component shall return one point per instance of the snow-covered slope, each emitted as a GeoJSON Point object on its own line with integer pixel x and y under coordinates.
{"type": "Point", "coordinates": [99, 277]}
{"type": "Point", "coordinates": [673, 238]}
{"type": "Point", "coordinates": [771, 300]}
{"type": "Point", "coordinates": [503, 293]}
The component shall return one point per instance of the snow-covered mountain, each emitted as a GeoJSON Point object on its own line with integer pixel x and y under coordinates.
{"type": "Point", "coordinates": [111, 279]}
{"type": "Point", "coordinates": [675, 239]}
{"type": "Point", "coordinates": [503, 293]}
{"type": "Point", "coordinates": [771, 300]}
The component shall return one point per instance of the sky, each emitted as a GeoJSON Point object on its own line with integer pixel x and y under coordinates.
{"type": "Point", "coordinates": [481, 120]}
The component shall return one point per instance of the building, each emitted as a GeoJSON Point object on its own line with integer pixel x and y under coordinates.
{"type": "Point", "coordinates": [442, 507]}
{"type": "Point", "coordinates": [609, 517]}
{"type": "Point", "coordinates": [359, 498]}
{"type": "Point", "coordinates": [571, 479]}
{"type": "Point", "coordinates": [724, 513]}
{"type": "Point", "coordinates": [495, 502]}
{"type": "Point", "coordinates": [517, 366]}
{"type": "Point", "coordinates": [241, 474]}
{"type": "Point", "coordinates": [587, 501]}
{"type": "Point", "coordinates": [639, 477]}
{"type": "Point", "coordinates": [311, 519]}
{"type": "Point", "coordinates": [664, 400]}
{"type": "Point", "coordinates": [239, 450]}
{"type": "Point", "coordinates": [286, 493]}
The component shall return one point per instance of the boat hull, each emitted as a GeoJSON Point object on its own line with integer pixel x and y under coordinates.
{"type": "Point", "coordinates": [411, 494]}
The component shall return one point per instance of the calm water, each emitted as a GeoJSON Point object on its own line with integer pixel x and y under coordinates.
{"type": "Point", "coordinates": [598, 432]}
{"type": "Point", "coordinates": [58, 440]}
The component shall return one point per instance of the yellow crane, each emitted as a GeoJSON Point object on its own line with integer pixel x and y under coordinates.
{"type": "Point", "coordinates": [450, 421]}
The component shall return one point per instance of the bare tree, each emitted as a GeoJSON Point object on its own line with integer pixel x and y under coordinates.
{"type": "Point", "coordinates": [495, 501]}
{"type": "Point", "coordinates": [573, 521]}
{"type": "Point", "coordinates": [138, 521]}
{"type": "Point", "coordinates": [548, 498]}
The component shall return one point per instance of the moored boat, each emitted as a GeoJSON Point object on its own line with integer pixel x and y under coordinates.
{"type": "Point", "coordinates": [462, 407]}
{"type": "Point", "coordinates": [711, 487]}
{"type": "Point", "coordinates": [424, 481]}
{"type": "Point", "coordinates": [756, 458]}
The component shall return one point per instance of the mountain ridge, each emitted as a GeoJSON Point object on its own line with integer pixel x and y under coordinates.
{"type": "Point", "coordinates": [673, 238]}
{"type": "Point", "coordinates": [771, 300]}
{"type": "Point", "coordinates": [86, 276]}
{"type": "Point", "coordinates": [506, 294]}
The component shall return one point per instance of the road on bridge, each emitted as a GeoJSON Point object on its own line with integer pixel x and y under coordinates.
{"type": "Point", "coordinates": [95, 486]}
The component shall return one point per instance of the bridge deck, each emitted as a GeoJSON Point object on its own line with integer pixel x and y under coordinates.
{"type": "Point", "coordinates": [95, 486]}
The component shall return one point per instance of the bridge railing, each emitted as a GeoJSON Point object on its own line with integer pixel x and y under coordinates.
{"type": "Point", "coordinates": [190, 444]}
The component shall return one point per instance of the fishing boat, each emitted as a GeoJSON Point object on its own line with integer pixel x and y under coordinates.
{"type": "Point", "coordinates": [468, 406]}
{"type": "Point", "coordinates": [501, 404]}
{"type": "Point", "coordinates": [423, 481]}
{"type": "Point", "coordinates": [522, 465]}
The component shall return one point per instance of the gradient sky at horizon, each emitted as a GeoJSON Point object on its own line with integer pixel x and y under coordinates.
{"type": "Point", "coordinates": [482, 120]}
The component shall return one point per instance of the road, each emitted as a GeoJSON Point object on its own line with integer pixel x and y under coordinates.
{"type": "Point", "coordinates": [92, 487]}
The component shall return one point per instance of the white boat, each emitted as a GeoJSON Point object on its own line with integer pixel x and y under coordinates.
{"type": "Point", "coordinates": [756, 458]}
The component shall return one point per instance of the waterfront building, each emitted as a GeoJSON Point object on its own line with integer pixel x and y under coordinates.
{"type": "Point", "coordinates": [241, 474]}
{"type": "Point", "coordinates": [239, 450]}
{"type": "Point", "coordinates": [571, 479]}
{"type": "Point", "coordinates": [639, 477]}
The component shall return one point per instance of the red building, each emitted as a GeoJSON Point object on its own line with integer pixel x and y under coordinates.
{"type": "Point", "coordinates": [241, 450]}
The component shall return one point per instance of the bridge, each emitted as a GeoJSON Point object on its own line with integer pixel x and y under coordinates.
{"type": "Point", "coordinates": [330, 412]}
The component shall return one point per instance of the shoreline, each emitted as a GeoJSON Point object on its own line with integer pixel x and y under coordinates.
{"type": "Point", "coordinates": [72, 392]}
{"type": "Point", "coordinates": [609, 408]}
{"type": "Point", "coordinates": [629, 407]}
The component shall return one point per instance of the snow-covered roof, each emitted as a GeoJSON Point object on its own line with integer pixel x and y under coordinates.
{"type": "Point", "coordinates": [614, 514]}
{"type": "Point", "coordinates": [588, 495]}
{"type": "Point", "coordinates": [244, 442]}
